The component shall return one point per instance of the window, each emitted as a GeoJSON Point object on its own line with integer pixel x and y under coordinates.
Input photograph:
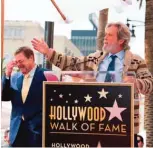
{"type": "Point", "coordinates": [13, 32]}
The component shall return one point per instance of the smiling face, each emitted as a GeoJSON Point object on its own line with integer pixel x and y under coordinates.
{"type": "Point", "coordinates": [23, 63]}
{"type": "Point", "coordinates": [140, 143]}
{"type": "Point", "coordinates": [111, 42]}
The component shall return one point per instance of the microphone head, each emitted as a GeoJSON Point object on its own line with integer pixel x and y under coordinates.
{"type": "Point", "coordinates": [101, 53]}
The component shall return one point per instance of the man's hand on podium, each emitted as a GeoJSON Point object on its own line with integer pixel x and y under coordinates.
{"type": "Point", "coordinates": [131, 79]}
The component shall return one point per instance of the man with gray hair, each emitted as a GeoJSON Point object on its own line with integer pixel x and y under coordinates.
{"type": "Point", "coordinates": [115, 56]}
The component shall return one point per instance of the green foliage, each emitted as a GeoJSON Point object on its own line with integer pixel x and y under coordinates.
{"type": "Point", "coordinates": [2, 67]}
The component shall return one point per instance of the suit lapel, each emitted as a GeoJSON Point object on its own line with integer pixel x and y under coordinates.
{"type": "Point", "coordinates": [101, 59]}
{"type": "Point", "coordinates": [19, 83]}
{"type": "Point", "coordinates": [33, 80]}
{"type": "Point", "coordinates": [127, 61]}
{"type": "Point", "coordinates": [103, 56]}
{"type": "Point", "coordinates": [19, 87]}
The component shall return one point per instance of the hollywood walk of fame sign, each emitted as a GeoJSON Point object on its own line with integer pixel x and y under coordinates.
{"type": "Point", "coordinates": [88, 114]}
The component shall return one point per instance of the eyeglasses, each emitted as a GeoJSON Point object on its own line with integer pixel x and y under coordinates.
{"type": "Point", "coordinates": [138, 141]}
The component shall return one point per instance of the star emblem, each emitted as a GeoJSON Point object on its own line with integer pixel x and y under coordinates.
{"type": "Point", "coordinates": [54, 90]}
{"type": "Point", "coordinates": [88, 98]}
{"type": "Point", "coordinates": [70, 94]}
{"type": "Point", "coordinates": [103, 93]}
{"type": "Point", "coordinates": [66, 101]}
{"type": "Point", "coordinates": [51, 99]}
{"type": "Point", "coordinates": [115, 111]}
{"type": "Point", "coordinates": [119, 96]}
{"type": "Point", "coordinates": [76, 101]}
{"type": "Point", "coordinates": [60, 96]}
{"type": "Point", "coordinates": [99, 145]}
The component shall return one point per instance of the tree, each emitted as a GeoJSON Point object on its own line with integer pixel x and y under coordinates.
{"type": "Point", "coordinates": [148, 119]}
{"type": "Point", "coordinates": [103, 18]}
{"type": "Point", "coordinates": [149, 61]}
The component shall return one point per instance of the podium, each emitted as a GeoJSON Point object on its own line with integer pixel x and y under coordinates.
{"type": "Point", "coordinates": [80, 111]}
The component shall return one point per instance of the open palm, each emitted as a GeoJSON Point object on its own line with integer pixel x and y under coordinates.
{"type": "Point", "coordinates": [40, 46]}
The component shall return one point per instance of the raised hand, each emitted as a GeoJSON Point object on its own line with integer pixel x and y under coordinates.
{"type": "Point", "coordinates": [9, 68]}
{"type": "Point", "coordinates": [40, 46]}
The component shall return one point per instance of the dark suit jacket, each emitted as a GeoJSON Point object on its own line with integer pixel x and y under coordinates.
{"type": "Point", "coordinates": [31, 109]}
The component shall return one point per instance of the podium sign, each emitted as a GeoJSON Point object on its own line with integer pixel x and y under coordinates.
{"type": "Point", "coordinates": [88, 114]}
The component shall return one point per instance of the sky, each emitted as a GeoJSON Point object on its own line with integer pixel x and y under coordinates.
{"type": "Point", "coordinates": [77, 12]}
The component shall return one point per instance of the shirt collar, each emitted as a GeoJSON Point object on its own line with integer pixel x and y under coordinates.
{"type": "Point", "coordinates": [32, 72]}
{"type": "Point", "coordinates": [120, 54]}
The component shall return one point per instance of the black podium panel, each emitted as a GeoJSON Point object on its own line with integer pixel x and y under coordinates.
{"type": "Point", "coordinates": [88, 114]}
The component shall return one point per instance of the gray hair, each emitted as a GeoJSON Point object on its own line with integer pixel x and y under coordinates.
{"type": "Point", "coordinates": [123, 33]}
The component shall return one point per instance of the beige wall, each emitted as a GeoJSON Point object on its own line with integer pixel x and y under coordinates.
{"type": "Point", "coordinates": [63, 45]}
{"type": "Point", "coordinates": [30, 30]}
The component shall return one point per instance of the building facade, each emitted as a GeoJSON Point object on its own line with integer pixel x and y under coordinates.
{"type": "Point", "coordinates": [85, 40]}
{"type": "Point", "coordinates": [20, 33]}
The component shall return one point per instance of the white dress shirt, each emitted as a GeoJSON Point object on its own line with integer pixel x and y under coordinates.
{"type": "Point", "coordinates": [103, 66]}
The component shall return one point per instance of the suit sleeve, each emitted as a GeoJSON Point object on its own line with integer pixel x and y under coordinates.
{"type": "Point", "coordinates": [145, 78]}
{"type": "Point", "coordinates": [67, 63]}
{"type": "Point", "coordinates": [7, 91]}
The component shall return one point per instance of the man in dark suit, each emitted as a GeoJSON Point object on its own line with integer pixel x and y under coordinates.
{"type": "Point", "coordinates": [26, 98]}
